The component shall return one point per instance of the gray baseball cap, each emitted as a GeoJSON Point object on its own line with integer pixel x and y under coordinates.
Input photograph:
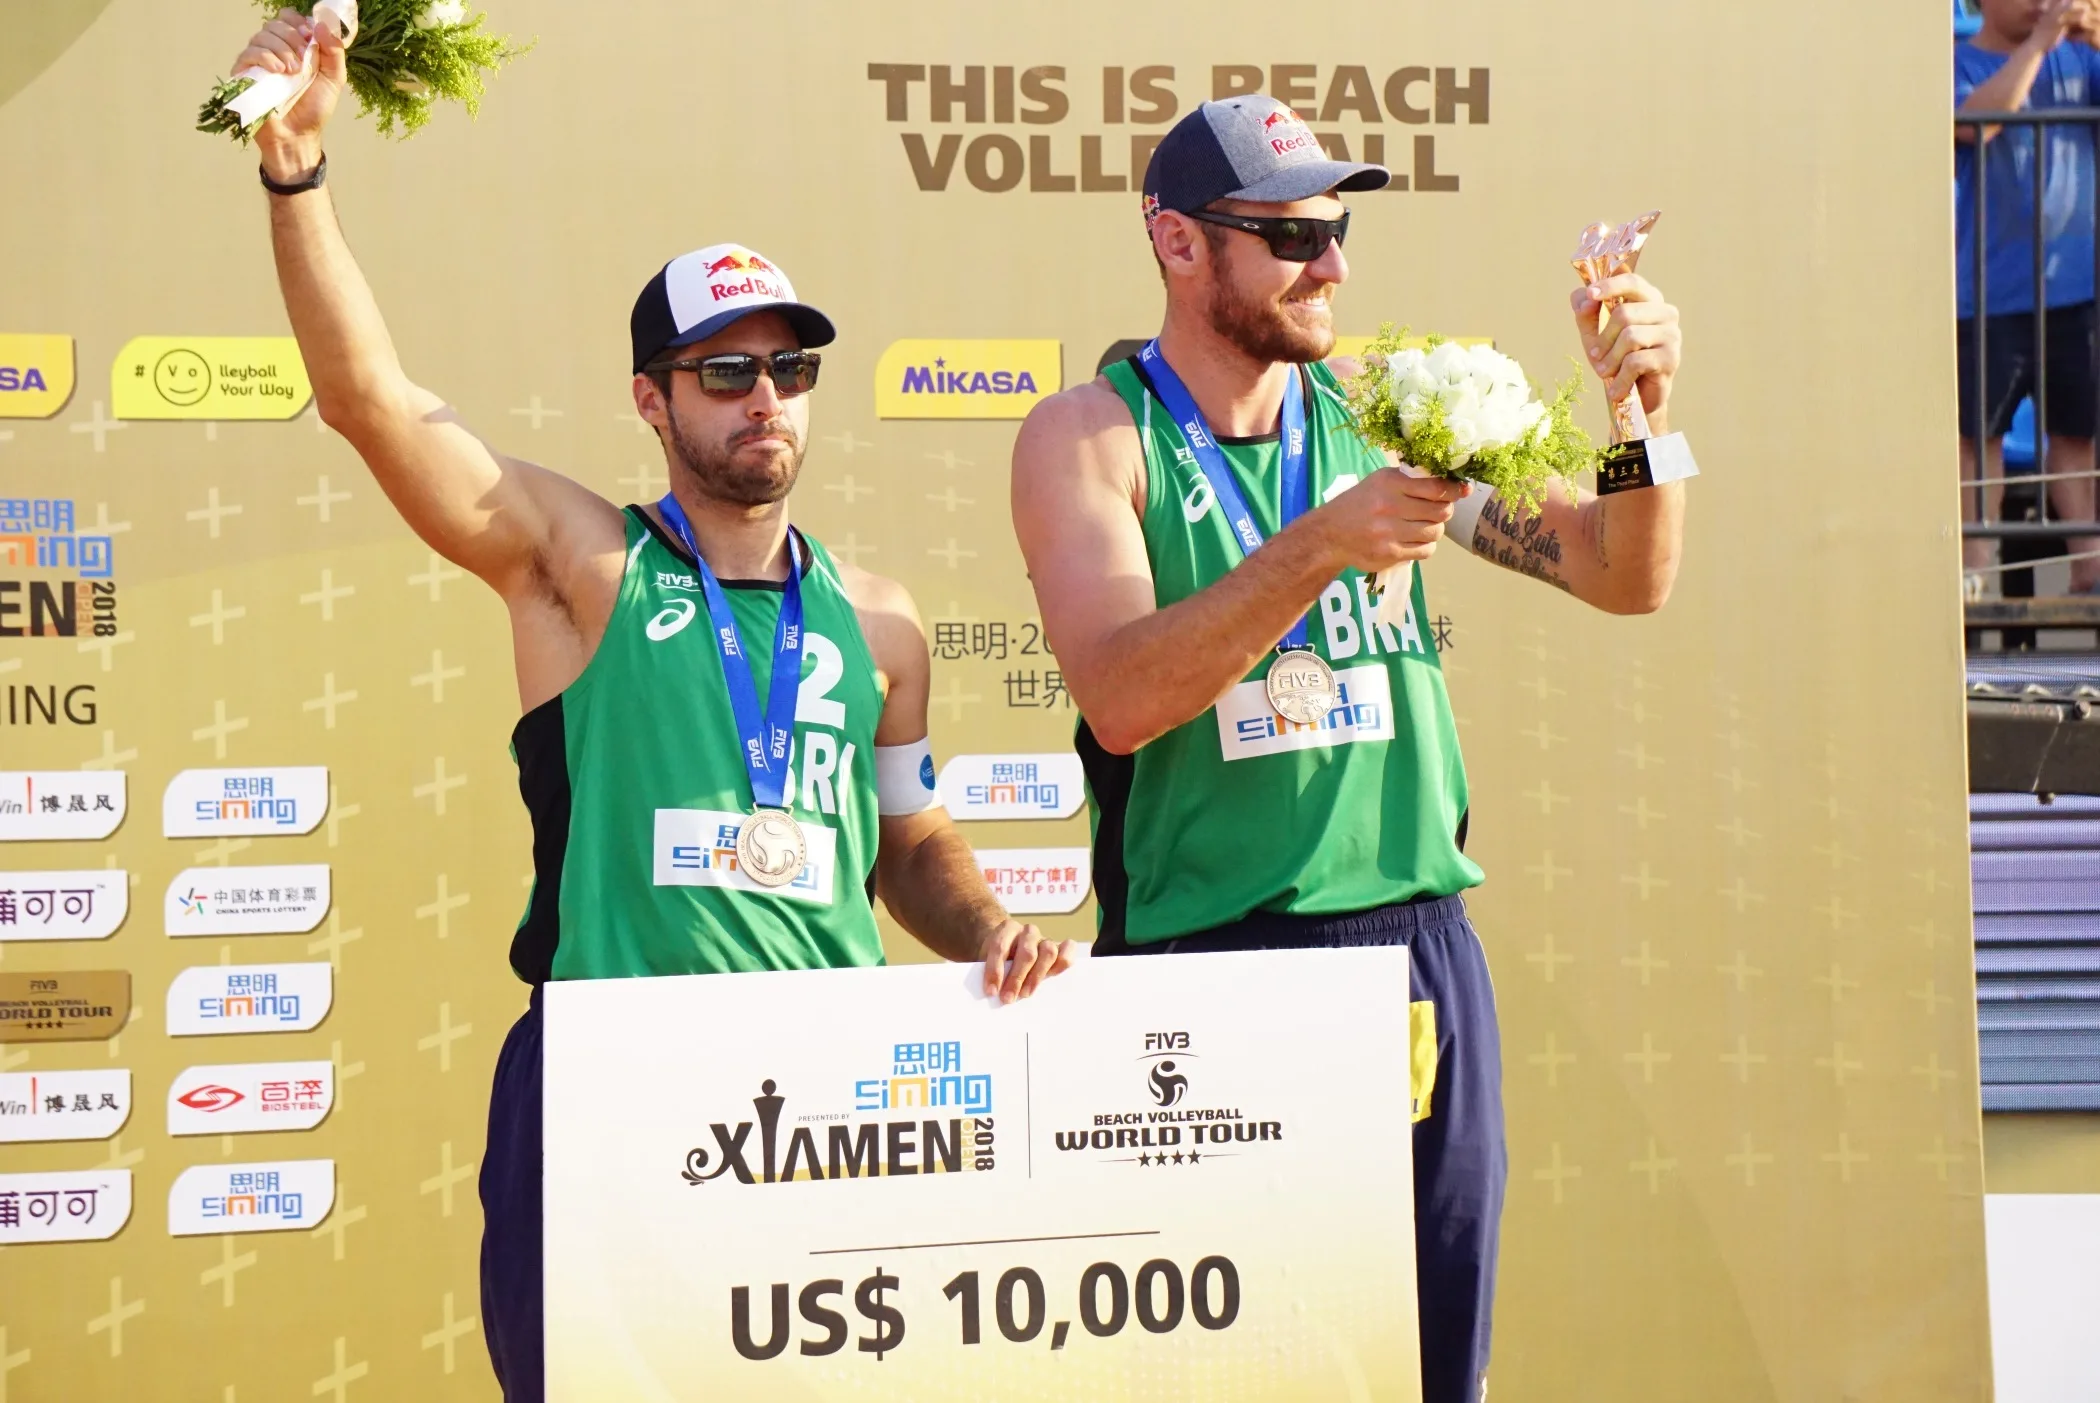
{"type": "Point", "coordinates": [1246, 148]}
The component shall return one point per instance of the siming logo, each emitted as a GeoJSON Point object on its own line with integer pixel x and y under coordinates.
{"type": "Point", "coordinates": [670, 619]}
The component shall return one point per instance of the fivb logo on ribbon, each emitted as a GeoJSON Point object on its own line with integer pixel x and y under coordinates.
{"type": "Point", "coordinates": [287, 900]}
{"type": "Point", "coordinates": [1038, 881]}
{"type": "Point", "coordinates": [245, 802]}
{"type": "Point", "coordinates": [273, 1197]}
{"type": "Point", "coordinates": [48, 805]}
{"type": "Point", "coordinates": [1012, 786]}
{"type": "Point", "coordinates": [82, 905]}
{"type": "Point", "coordinates": [245, 1097]}
{"type": "Point", "coordinates": [63, 1105]}
{"type": "Point", "coordinates": [88, 1205]}
{"type": "Point", "coordinates": [209, 999]}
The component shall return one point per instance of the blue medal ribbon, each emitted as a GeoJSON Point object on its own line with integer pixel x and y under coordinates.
{"type": "Point", "coordinates": [767, 736]}
{"type": "Point", "coordinates": [1295, 497]}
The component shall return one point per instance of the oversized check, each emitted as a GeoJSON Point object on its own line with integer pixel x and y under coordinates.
{"type": "Point", "coordinates": [1157, 1179]}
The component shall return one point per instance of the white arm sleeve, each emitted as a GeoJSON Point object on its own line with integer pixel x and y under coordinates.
{"type": "Point", "coordinates": [904, 779]}
{"type": "Point", "coordinates": [1465, 517]}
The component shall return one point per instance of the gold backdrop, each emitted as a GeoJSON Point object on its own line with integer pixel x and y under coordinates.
{"type": "Point", "coordinates": [1727, 887]}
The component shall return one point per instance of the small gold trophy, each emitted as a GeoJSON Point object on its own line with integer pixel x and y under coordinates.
{"type": "Point", "coordinates": [1636, 458]}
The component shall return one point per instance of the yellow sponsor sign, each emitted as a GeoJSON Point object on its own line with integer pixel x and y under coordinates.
{"type": "Point", "coordinates": [1357, 345]}
{"type": "Point", "coordinates": [36, 375]}
{"type": "Point", "coordinates": [209, 377]}
{"type": "Point", "coordinates": [942, 378]}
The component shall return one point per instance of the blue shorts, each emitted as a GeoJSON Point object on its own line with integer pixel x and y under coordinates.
{"type": "Point", "coordinates": [1461, 1160]}
{"type": "Point", "coordinates": [512, 1298]}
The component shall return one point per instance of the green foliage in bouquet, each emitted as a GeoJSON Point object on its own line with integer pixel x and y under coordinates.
{"type": "Point", "coordinates": [397, 67]}
{"type": "Point", "coordinates": [1520, 471]}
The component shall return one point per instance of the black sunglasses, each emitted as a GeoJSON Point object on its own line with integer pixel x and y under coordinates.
{"type": "Point", "coordinates": [734, 376]}
{"type": "Point", "coordinates": [1293, 239]}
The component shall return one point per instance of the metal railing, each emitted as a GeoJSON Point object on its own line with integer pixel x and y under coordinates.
{"type": "Point", "coordinates": [2022, 538]}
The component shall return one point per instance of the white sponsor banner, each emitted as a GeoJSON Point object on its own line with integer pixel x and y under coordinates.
{"type": "Point", "coordinates": [287, 900]}
{"type": "Point", "coordinates": [1363, 710]}
{"type": "Point", "coordinates": [63, 1105]}
{"type": "Point", "coordinates": [83, 905]}
{"type": "Point", "coordinates": [273, 1197]}
{"type": "Point", "coordinates": [697, 848]}
{"type": "Point", "coordinates": [1038, 881]}
{"type": "Point", "coordinates": [53, 804]}
{"type": "Point", "coordinates": [1148, 1177]}
{"type": "Point", "coordinates": [85, 1205]}
{"type": "Point", "coordinates": [1013, 786]}
{"type": "Point", "coordinates": [237, 1098]}
{"type": "Point", "coordinates": [248, 802]}
{"type": "Point", "coordinates": [208, 999]}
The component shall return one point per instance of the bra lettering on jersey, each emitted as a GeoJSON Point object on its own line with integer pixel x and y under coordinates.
{"type": "Point", "coordinates": [697, 848]}
{"type": "Point", "coordinates": [670, 619]}
{"type": "Point", "coordinates": [1248, 726]}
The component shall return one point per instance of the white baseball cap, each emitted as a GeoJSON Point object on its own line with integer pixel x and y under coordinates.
{"type": "Point", "coordinates": [696, 294]}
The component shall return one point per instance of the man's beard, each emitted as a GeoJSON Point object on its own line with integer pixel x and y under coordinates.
{"type": "Point", "coordinates": [1262, 330]}
{"type": "Point", "coordinates": [742, 482]}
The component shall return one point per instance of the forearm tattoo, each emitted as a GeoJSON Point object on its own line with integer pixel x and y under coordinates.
{"type": "Point", "coordinates": [1595, 531]}
{"type": "Point", "coordinates": [1520, 543]}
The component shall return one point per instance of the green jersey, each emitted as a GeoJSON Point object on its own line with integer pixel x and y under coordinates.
{"type": "Point", "coordinates": [636, 783]}
{"type": "Point", "coordinates": [1240, 810]}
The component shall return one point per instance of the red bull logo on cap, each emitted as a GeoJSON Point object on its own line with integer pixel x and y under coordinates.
{"type": "Point", "coordinates": [1285, 133]}
{"type": "Point", "coordinates": [739, 272]}
{"type": "Point", "coordinates": [739, 260]}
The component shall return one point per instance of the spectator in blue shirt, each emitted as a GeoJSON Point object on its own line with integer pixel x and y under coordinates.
{"type": "Point", "coordinates": [2029, 54]}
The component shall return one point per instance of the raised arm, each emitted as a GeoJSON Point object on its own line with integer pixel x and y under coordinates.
{"type": "Point", "coordinates": [505, 520]}
{"type": "Point", "coordinates": [1135, 670]}
{"type": "Point", "coordinates": [1618, 553]}
{"type": "Point", "coordinates": [2007, 89]}
{"type": "Point", "coordinates": [925, 871]}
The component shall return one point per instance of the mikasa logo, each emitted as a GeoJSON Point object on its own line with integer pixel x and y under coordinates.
{"type": "Point", "coordinates": [670, 619]}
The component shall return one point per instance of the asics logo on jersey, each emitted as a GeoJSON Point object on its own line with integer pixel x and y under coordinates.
{"type": "Point", "coordinates": [670, 619]}
{"type": "Point", "coordinates": [1197, 504]}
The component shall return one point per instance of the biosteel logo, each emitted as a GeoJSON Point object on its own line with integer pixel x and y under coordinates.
{"type": "Point", "coordinates": [1285, 133]}
{"type": "Point", "coordinates": [211, 1097]}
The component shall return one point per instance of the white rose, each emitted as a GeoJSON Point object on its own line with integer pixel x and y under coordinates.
{"type": "Point", "coordinates": [1405, 372]}
{"type": "Point", "coordinates": [414, 87]}
{"type": "Point", "coordinates": [1449, 364]}
{"type": "Point", "coordinates": [440, 13]}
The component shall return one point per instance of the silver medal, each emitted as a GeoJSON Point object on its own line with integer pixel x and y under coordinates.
{"type": "Point", "coordinates": [1301, 687]}
{"type": "Point", "coordinates": [770, 848]}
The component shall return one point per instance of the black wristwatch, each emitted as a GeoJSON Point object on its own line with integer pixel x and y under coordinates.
{"type": "Point", "coordinates": [312, 181]}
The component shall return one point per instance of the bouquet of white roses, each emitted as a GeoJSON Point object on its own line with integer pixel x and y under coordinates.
{"type": "Point", "coordinates": [1468, 413]}
{"type": "Point", "coordinates": [402, 55]}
